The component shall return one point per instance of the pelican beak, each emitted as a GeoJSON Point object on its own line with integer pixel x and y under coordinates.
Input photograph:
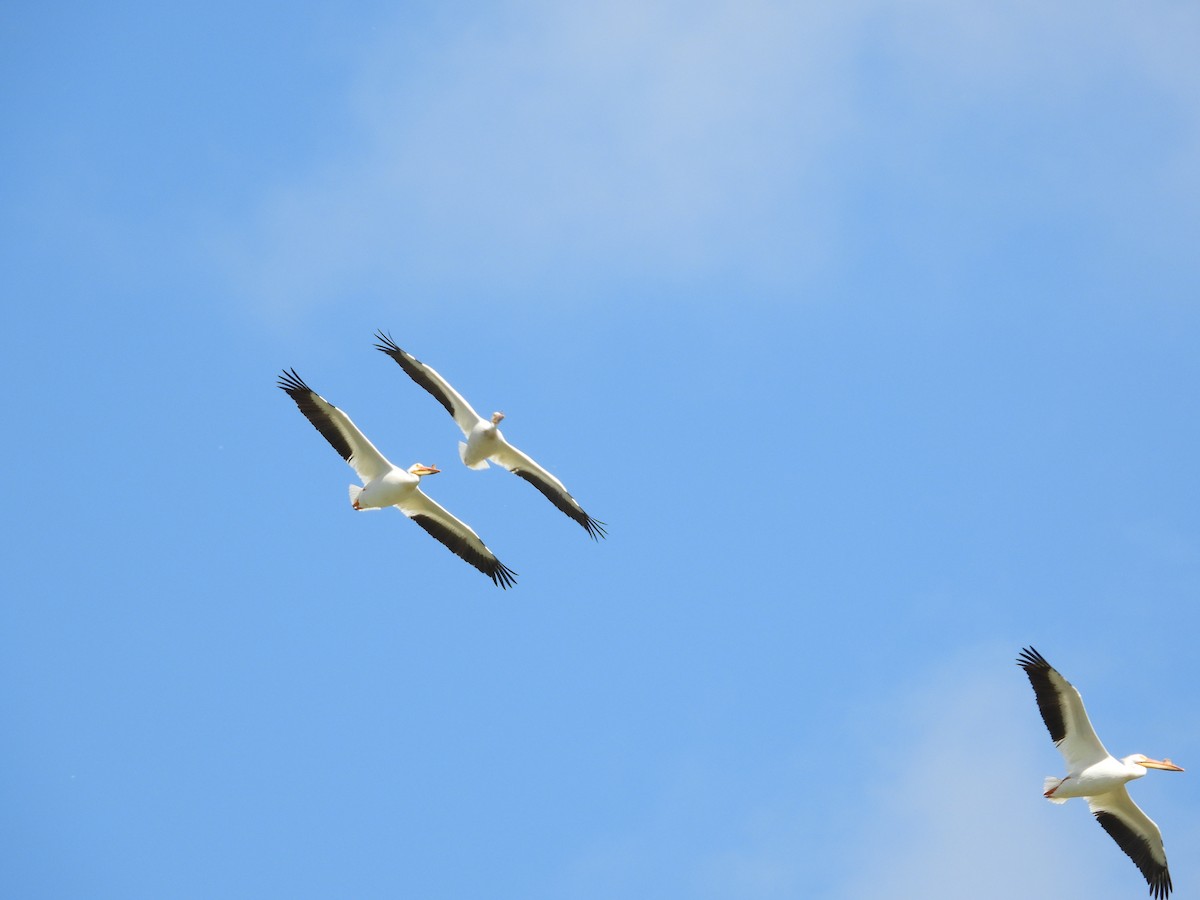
{"type": "Point", "coordinates": [1164, 764]}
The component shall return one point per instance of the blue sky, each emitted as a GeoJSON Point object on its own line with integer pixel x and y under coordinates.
{"type": "Point", "coordinates": [870, 330]}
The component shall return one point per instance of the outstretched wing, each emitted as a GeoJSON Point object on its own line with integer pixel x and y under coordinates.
{"type": "Point", "coordinates": [336, 427]}
{"type": "Point", "coordinates": [521, 464]}
{"type": "Point", "coordinates": [1136, 834]}
{"type": "Point", "coordinates": [1062, 711]}
{"type": "Point", "coordinates": [457, 536]}
{"type": "Point", "coordinates": [464, 416]}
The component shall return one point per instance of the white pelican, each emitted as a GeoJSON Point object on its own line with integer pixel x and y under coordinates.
{"type": "Point", "coordinates": [1094, 774]}
{"type": "Point", "coordinates": [385, 485]}
{"type": "Point", "coordinates": [484, 440]}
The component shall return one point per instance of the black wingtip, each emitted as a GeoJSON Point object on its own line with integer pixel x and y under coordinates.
{"type": "Point", "coordinates": [595, 528]}
{"type": "Point", "coordinates": [1049, 700]}
{"type": "Point", "coordinates": [386, 344]}
{"type": "Point", "coordinates": [480, 557]}
{"type": "Point", "coordinates": [1157, 875]}
{"type": "Point", "coordinates": [502, 576]}
{"type": "Point", "coordinates": [290, 382]}
{"type": "Point", "coordinates": [1029, 658]}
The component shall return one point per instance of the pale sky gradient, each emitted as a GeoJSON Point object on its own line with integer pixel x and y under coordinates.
{"type": "Point", "coordinates": [870, 329]}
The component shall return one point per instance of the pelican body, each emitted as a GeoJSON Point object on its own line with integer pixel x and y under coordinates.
{"type": "Point", "coordinates": [1096, 775]}
{"type": "Point", "coordinates": [395, 487]}
{"type": "Point", "coordinates": [484, 441]}
{"type": "Point", "coordinates": [1108, 774]}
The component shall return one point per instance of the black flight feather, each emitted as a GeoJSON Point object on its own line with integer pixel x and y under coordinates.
{"type": "Point", "coordinates": [294, 386]}
{"type": "Point", "coordinates": [1048, 700]}
{"type": "Point", "coordinates": [1157, 875]}
{"type": "Point", "coordinates": [565, 502]}
{"type": "Point", "coordinates": [500, 574]}
{"type": "Point", "coordinates": [415, 372]}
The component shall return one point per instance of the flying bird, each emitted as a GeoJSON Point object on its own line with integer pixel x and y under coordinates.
{"type": "Point", "coordinates": [383, 484]}
{"type": "Point", "coordinates": [484, 440]}
{"type": "Point", "coordinates": [1094, 774]}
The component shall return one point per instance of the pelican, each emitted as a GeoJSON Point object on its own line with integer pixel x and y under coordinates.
{"type": "Point", "coordinates": [383, 484]}
{"type": "Point", "coordinates": [484, 440]}
{"type": "Point", "coordinates": [1094, 774]}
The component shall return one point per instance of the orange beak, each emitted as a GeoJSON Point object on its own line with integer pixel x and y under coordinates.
{"type": "Point", "coordinates": [1164, 764]}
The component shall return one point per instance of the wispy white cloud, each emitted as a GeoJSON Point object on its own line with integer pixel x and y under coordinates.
{"type": "Point", "coordinates": [557, 143]}
{"type": "Point", "coordinates": [589, 136]}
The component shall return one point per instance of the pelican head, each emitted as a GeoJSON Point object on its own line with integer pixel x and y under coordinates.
{"type": "Point", "coordinates": [419, 469]}
{"type": "Point", "coordinates": [1140, 759]}
{"type": "Point", "coordinates": [497, 418]}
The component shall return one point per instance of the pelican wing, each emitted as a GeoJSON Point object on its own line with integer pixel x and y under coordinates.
{"type": "Point", "coordinates": [458, 536]}
{"type": "Point", "coordinates": [1062, 711]}
{"type": "Point", "coordinates": [521, 464]}
{"type": "Point", "coordinates": [1136, 834]}
{"type": "Point", "coordinates": [464, 416]}
{"type": "Point", "coordinates": [336, 427]}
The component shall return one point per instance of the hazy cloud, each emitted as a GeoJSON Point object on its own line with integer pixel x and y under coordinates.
{"type": "Point", "coordinates": [549, 142]}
